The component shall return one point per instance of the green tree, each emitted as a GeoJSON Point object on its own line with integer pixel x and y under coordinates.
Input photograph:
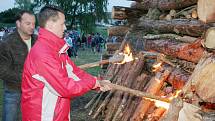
{"type": "Point", "coordinates": [8, 15]}
{"type": "Point", "coordinates": [81, 14]}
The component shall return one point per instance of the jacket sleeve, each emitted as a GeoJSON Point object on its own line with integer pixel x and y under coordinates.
{"type": "Point", "coordinates": [56, 76]}
{"type": "Point", "coordinates": [7, 73]}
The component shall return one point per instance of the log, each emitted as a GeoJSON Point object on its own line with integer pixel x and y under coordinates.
{"type": "Point", "coordinates": [118, 30]}
{"type": "Point", "coordinates": [206, 10]}
{"type": "Point", "coordinates": [209, 38]}
{"type": "Point", "coordinates": [153, 87]}
{"type": "Point", "coordinates": [179, 26]}
{"type": "Point", "coordinates": [178, 78]}
{"type": "Point", "coordinates": [202, 79]}
{"type": "Point", "coordinates": [133, 101]}
{"type": "Point", "coordinates": [166, 4]}
{"type": "Point", "coordinates": [112, 46]}
{"type": "Point", "coordinates": [157, 114]}
{"type": "Point", "coordinates": [119, 75]}
{"type": "Point", "coordinates": [173, 112]}
{"type": "Point", "coordinates": [121, 13]}
{"type": "Point", "coordinates": [190, 52]}
{"type": "Point", "coordinates": [187, 39]}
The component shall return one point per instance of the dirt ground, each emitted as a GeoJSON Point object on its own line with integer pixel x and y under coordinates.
{"type": "Point", "coordinates": [78, 112]}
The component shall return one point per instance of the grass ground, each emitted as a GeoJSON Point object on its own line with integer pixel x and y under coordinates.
{"type": "Point", "coordinates": [78, 112]}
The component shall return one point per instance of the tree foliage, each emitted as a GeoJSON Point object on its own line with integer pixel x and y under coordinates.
{"type": "Point", "coordinates": [8, 15]}
{"type": "Point", "coordinates": [79, 13]}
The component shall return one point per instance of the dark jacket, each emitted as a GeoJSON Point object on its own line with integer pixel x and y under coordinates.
{"type": "Point", "coordinates": [13, 52]}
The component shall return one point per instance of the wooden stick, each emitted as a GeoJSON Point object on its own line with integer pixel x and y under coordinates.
{"type": "Point", "coordinates": [89, 65]}
{"type": "Point", "coordinates": [116, 58]}
{"type": "Point", "coordinates": [134, 92]}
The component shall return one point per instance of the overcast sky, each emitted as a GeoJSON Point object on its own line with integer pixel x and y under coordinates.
{"type": "Point", "coordinates": [6, 4]}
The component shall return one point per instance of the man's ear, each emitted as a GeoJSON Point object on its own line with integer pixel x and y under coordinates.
{"type": "Point", "coordinates": [18, 23]}
{"type": "Point", "coordinates": [49, 24]}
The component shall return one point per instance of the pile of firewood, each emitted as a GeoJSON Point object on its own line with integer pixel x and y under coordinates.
{"type": "Point", "coordinates": [165, 37]}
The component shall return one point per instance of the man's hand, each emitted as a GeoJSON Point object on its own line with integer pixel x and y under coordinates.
{"type": "Point", "coordinates": [103, 85]}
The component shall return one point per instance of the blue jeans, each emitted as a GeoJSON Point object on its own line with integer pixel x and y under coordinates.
{"type": "Point", "coordinates": [11, 105]}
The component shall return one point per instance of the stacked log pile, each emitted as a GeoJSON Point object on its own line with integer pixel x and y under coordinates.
{"type": "Point", "coordinates": [169, 35]}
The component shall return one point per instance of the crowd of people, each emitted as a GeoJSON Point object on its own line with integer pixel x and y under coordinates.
{"type": "Point", "coordinates": [94, 41]}
{"type": "Point", "coordinates": [5, 31]}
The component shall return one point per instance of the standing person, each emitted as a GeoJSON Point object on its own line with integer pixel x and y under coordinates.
{"type": "Point", "coordinates": [69, 41]}
{"type": "Point", "coordinates": [13, 51]}
{"type": "Point", "coordinates": [50, 79]}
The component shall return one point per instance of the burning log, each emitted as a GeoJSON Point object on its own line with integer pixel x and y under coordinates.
{"type": "Point", "coordinates": [120, 98]}
{"type": "Point", "coordinates": [153, 87]}
{"type": "Point", "coordinates": [206, 10]}
{"type": "Point", "coordinates": [179, 26]}
{"type": "Point", "coordinates": [122, 13]}
{"type": "Point", "coordinates": [117, 30]}
{"type": "Point", "coordinates": [190, 52]}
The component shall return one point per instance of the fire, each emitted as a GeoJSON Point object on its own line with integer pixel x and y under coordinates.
{"type": "Point", "coordinates": [159, 103]}
{"type": "Point", "coordinates": [176, 94]}
{"type": "Point", "coordinates": [157, 66]}
{"type": "Point", "coordinates": [128, 56]}
{"type": "Point", "coordinates": [162, 104]}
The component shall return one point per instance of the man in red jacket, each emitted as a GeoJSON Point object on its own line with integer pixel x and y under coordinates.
{"type": "Point", "coordinates": [50, 79]}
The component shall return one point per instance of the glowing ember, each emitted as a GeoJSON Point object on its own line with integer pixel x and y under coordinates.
{"type": "Point", "coordinates": [156, 66]}
{"type": "Point", "coordinates": [128, 56]}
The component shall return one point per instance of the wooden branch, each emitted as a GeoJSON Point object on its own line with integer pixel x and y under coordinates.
{"type": "Point", "coordinates": [134, 92]}
{"type": "Point", "coordinates": [114, 59]}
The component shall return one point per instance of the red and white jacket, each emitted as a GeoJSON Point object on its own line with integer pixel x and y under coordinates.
{"type": "Point", "coordinates": [50, 79]}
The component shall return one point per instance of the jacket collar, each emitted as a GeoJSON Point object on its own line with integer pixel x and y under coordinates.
{"type": "Point", "coordinates": [53, 41]}
{"type": "Point", "coordinates": [18, 37]}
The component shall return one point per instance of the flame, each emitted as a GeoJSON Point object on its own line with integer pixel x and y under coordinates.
{"type": "Point", "coordinates": [157, 67]}
{"type": "Point", "coordinates": [159, 103]}
{"type": "Point", "coordinates": [128, 56]}
{"type": "Point", "coordinates": [176, 94]}
{"type": "Point", "coordinates": [162, 104]}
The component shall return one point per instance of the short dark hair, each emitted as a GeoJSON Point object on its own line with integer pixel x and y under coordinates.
{"type": "Point", "coordinates": [20, 14]}
{"type": "Point", "coordinates": [48, 12]}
